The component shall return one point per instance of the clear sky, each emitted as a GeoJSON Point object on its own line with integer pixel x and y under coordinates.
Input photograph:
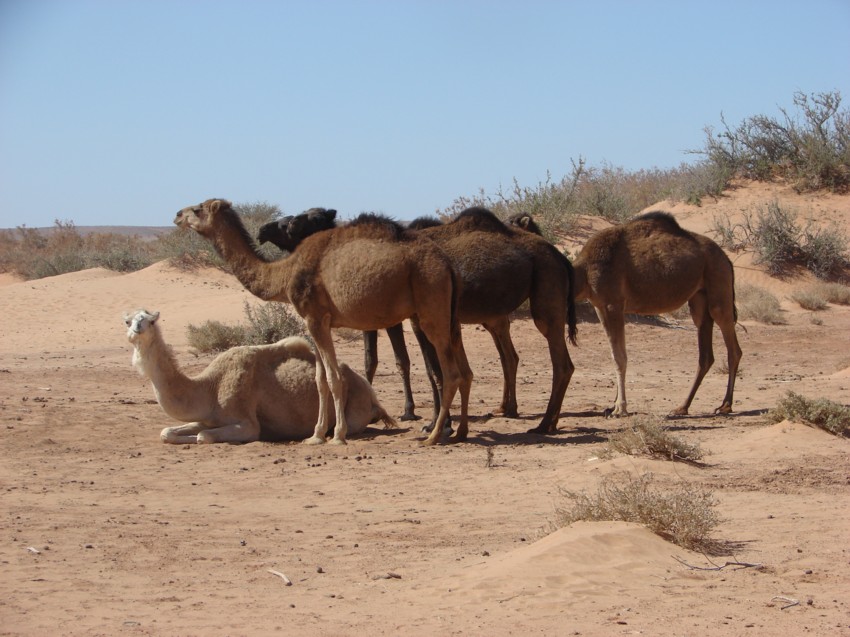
{"type": "Point", "coordinates": [120, 112]}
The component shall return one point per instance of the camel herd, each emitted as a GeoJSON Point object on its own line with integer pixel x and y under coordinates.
{"type": "Point", "coordinates": [372, 273]}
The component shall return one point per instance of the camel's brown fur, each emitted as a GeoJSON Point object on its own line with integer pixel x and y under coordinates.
{"type": "Point", "coordinates": [650, 265]}
{"type": "Point", "coordinates": [364, 276]}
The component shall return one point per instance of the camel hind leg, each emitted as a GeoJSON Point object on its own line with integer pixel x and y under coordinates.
{"type": "Point", "coordinates": [725, 320]}
{"type": "Point", "coordinates": [562, 371]}
{"type": "Point", "coordinates": [402, 363]}
{"type": "Point", "coordinates": [330, 383]}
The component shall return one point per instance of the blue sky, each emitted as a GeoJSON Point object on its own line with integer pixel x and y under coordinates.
{"type": "Point", "coordinates": [117, 112]}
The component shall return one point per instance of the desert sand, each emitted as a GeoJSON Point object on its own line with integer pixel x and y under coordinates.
{"type": "Point", "coordinates": [107, 531]}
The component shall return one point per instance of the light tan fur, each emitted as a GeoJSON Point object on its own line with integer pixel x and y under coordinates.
{"type": "Point", "coordinates": [246, 393]}
{"type": "Point", "coordinates": [362, 276]}
{"type": "Point", "coordinates": [650, 265]}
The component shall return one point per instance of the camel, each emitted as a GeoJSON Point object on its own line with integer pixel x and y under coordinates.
{"type": "Point", "coordinates": [318, 219]}
{"type": "Point", "coordinates": [367, 275]}
{"type": "Point", "coordinates": [500, 267]}
{"type": "Point", "coordinates": [246, 393]}
{"type": "Point", "coordinates": [651, 265]}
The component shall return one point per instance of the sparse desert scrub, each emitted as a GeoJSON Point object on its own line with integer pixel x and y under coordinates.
{"type": "Point", "coordinates": [646, 436]}
{"type": "Point", "coordinates": [819, 412]}
{"type": "Point", "coordinates": [832, 292]}
{"type": "Point", "coordinates": [684, 514]}
{"type": "Point", "coordinates": [267, 323]}
{"type": "Point", "coordinates": [809, 299]}
{"type": "Point", "coordinates": [757, 304]}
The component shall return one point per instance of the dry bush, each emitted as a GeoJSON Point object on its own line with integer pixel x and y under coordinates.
{"type": "Point", "coordinates": [684, 514]}
{"type": "Point", "coordinates": [809, 299]}
{"type": "Point", "coordinates": [757, 304]}
{"type": "Point", "coordinates": [267, 323]}
{"type": "Point", "coordinates": [646, 436]}
{"type": "Point", "coordinates": [819, 412]}
{"type": "Point", "coordinates": [833, 292]}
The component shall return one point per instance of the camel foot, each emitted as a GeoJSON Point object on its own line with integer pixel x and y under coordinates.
{"type": "Point", "coordinates": [542, 429]}
{"type": "Point", "coordinates": [725, 408]}
{"type": "Point", "coordinates": [314, 440]}
{"type": "Point", "coordinates": [406, 417]}
{"type": "Point", "coordinates": [337, 441]}
{"type": "Point", "coordinates": [681, 412]}
{"type": "Point", "coordinates": [204, 438]}
{"type": "Point", "coordinates": [616, 412]}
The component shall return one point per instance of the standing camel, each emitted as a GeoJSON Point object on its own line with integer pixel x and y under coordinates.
{"type": "Point", "coordinates": [501, 267]}
{"type": "Point", "coordinates": [651, 265]}
{"type": "Point", "coordinates": [317, 219]}
{"type": "Point", "coordinates": [366, 276]}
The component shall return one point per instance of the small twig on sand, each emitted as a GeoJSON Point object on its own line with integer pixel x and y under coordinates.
{"type": "Point", "coordinates": [281, 576]}
{"type": "Point", "coordinates": [791, 602]}
{"type": "Point", "coordinates": [32, 549]}
{"type": "Point", "coordinates": [717, 567]}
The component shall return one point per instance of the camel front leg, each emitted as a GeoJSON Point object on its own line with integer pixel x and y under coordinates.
{"type": "Point", "coordinates": [329, 380]}
{"type": "Point", "coordinates": [402, 363]}
{"type": "Point", "coordinates": [182, 434]}
{"type": "Point", "coordinates": [500, 330]}
{"type": "Point", "coordinates": [244, 431]}
{"type": "Point", "coordinates": [614, 321]}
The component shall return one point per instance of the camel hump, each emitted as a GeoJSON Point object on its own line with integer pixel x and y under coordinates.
{"type": "Point", "coordinates": [478, 218]}
{"type": "Point", "coordinates": [427, 221]}
{"type": "Point", "coordinates": [375, 225]}
{"type": "Point", "coordinates": [294, 347]}
{"type": "Point", "coordinates": [660, 217]}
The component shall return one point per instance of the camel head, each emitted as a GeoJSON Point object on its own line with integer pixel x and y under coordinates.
{"type": "Point", "coordinates": [138, 323]}
{"type": "Point", "coordinates": [200, 218]}
{"type": "Point", "coordinates": [288, 232]}
{"type": "Point", "coordinates": [525, 221]}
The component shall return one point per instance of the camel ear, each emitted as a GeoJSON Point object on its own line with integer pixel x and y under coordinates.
{"type": "Point", "coordinates": [523, 221]}
{"type": "Point", "coordinates": [154, 317]}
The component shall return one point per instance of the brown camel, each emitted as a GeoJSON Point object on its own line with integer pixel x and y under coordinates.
{"type": "Point", "coordinates": [500, 268]}
{"type": "Point", "coordinates": [318, 219]}
{"type": "Point", "coordinates": [651, 265]}
{"type": "Point", "coordinates": [366, 276]}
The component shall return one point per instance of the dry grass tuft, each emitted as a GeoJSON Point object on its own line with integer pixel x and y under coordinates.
{"type": "Point", "coordinates": [819, 412]}
{"type": "Point", "coordinates": [809, 299]}
{"type": "Point", "coordinates": [646, 436]}
{"type": "Point", "coordinates": [757, 304]}
{"type": "Point", "coordinates": [685, 514]}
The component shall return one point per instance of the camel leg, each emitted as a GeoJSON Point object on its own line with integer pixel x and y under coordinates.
{"type": "Point", "coordinates": [247, 431]}
{"type": "Point", "coordinates": [465, 385]}
{"type": "Point", "coordinates": [402, 362]}
{"type": "Point", "coordinates": [500, 330]}
{"type": "Point", "coordinates": [370, 354]}
{"type": "Point", "coordinates": [562, 372]}
{"type": "Point", "coordinates": [705, 326]}
{"type": "Point", "coordinates": [726, 323]}
{"type": "Point", "coordinates": [435, 375]}
{"type": "Point", "coordinates": [455, 374]}
{"type": "Point", "coordinates": [329, 382]}
{"type": "Point", "coordinates": [614, 321]}
{"type": "Point", "coordinates": [182, 434]}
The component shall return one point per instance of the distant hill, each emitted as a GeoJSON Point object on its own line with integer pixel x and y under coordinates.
{"type": "Point", "coordinates": [144, 232]}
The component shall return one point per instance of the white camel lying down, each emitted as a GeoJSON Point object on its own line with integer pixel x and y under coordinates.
{"type": "Point", "coordinates": [246, 393]}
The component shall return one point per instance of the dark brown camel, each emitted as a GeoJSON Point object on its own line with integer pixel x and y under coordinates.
{"type": "Point", "coordinates": [318, 219]}
{"type": "Point", "coordinates": [500, 268]}
{"type": "Point", "coordinates": [651, 265]}
{"type": "Point", "coordinates": [366, 276]}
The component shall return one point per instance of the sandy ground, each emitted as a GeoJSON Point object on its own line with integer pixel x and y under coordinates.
{"type": "Point", "coordinates": [107, 531]}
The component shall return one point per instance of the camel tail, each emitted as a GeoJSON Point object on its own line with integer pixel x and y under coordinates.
{"type": "Point", "coordinates": [572, 321]}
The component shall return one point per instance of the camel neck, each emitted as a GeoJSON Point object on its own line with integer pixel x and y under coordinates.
{"type": "Point", "coordinates": [260, 277]}
{"type": "Point", "coordinates": [172, 387]}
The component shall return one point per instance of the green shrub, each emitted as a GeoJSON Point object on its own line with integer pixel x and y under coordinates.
{"type": "Point", "coordinates": [684, 514]}
{"type": "Point", "coordinates": [820, 412]}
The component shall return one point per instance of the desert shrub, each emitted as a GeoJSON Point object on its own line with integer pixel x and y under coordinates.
{"type": "Point", "coordinates": [819, 412]}
{"type": "Point", "coordinates": [809, 299]}
{"type": "Point", "coordinates": [267, 323]}
{"type": "Point", "coordinates": [832, 292]}
{"type": "Point", "coordinates": [684, 514]}
{"type": "Point", "coordinates": [810, 148]}
{"type": "Point", "coordinates": [645, 436]}
{"type": "Point", "coordinates": [779, 242]}
{"type": "Point", "coordinates": [757, 304]}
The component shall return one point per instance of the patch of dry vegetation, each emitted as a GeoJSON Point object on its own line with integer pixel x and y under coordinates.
{"type": "Point", "coordinates": [818, 412]}
{"type": "Point", "coordinates": [684, 514]}
{"type": "Point", "coordinates": [757, 304]}
{"type": "Point", "coordinates": [267, 323]}
{"type": "Point", "coordinates": [646, 436]}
